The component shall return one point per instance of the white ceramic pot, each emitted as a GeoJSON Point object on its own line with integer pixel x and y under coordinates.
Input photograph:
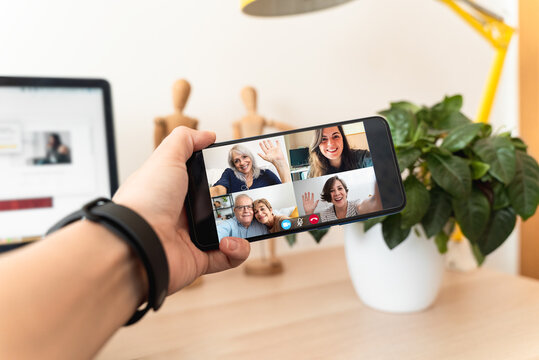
{"type": "Point", "coordinates": [405, 279]}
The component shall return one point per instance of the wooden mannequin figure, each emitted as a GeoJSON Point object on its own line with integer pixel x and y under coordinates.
{"type": "Point", "coordinates": [253, 124]}
{"type": "Point", "coordinates": [165, 125]}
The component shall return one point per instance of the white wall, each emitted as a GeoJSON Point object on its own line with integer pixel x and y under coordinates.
{"type": "Point", "coordinates": [337, 64]}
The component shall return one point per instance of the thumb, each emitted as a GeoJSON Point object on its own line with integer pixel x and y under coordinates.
{"type": "Point", "coordinates": [183, 141]}
{"type": "Point", "coordinates": [232, 252]}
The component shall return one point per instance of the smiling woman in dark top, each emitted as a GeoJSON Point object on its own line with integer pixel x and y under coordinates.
{"type": "Point", "coordinates": [244, 174]}
{"type": "Point", "coordinates": [330, 153]}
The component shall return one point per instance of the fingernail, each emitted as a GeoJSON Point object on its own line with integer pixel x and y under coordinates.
{"type": "Point", "coordinates": [232, 244]}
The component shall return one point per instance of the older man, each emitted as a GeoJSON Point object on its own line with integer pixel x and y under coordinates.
{"type": "Point", "coordinates": [242, 225]}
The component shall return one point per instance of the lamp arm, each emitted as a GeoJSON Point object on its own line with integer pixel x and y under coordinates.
{"type": "Point", "coordinates": [487, 24]}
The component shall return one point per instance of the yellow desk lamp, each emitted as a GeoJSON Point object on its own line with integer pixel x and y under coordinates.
{"type": "Point", "coordinates": [488, 24]}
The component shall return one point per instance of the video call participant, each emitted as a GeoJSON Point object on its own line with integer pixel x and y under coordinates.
{"type": "Point", "coordinates": [242, 225]}
{"type": "Point", "coordinates": [243, 173]}
{"type": "Point", "coordinates": [56, 152]}
{"type": "Point", "coordinates": [335, 192]}
{"type": "Point", "coordinates": [264, 214]}
{"type": "Point", "coordinates": [330, 153]}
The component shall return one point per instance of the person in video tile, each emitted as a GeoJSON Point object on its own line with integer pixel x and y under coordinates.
{"type": "Point", "coordinates": [330, 153]}
{"type": "Point", "coordinates": [335, 192]}
{"type": "Point", "coordinates": [264, 214]}
{"type": "Point", "coordinates": [244, 174]}
{"type": "Point", "coordinates": [56, 152]}
{"type": "Point", "coordinates": [242, 225]}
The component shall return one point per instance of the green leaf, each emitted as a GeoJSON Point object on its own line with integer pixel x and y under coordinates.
{"type": "Point", "coordinates": [401, 123]}
{"type": "Point", "coordinates": [452, 121]}
{"type": "Point", "coordinates": [446, 114]}
{"type": "Point", "coordinates": [439, 211]}
{"type": "Point", "coordinates": [392, 231]}
{"type": "Point", "coordinates": [420, 132]}
{"type": "Point", "coordinates": [479, 169]}
{"type": "Point", "coordinates": [450, 103]}
{"type": "Point", "coordinates": [291, 239]}
{"type": "Point", "coordinates": [501, 200]}
{"type": "Point", "coordinates": [408, 157]}
{"type": "Point", "coordinates": [486, 130]}
{"type": "Point", "coordinates": [417, 202]}
{"type": "Point", "coordinates": [479, 257]}
{"type": "Point", "coordinates": [501, 224]}
{"type": "Point", "coordinates": [499, 153]}
{"type": "Point", "coordinates": [451, 173]}
{"type": "Point", "coordinates": [472, 214]}
{"type": "Point", "coordinates": [441, 241]}
{"type": "Point", "coordinates": [405, 105]}
{"type": "Point", "coordinates": [519, 144]}
{"type": "Point", "coordinates": [318, 234]}
{"type": "Point", "coordinates": [523, 191]}
{"type": "Point", "coordinates": [461, 136]}
{"type": "Point", "coordinates": [424, 115]}
{"type": "Point", "coordinates": [369, 223]}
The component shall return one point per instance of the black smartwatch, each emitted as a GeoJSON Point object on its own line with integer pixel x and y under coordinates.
{"type": "Point", "coordinates": [131, 227]}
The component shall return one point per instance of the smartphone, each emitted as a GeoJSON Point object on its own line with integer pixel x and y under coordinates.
{"type": "Point", "coordinates": [299, 180]}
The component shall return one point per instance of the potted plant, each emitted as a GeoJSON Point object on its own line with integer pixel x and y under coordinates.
{"type": "Point", "coordinates": [455, 172]}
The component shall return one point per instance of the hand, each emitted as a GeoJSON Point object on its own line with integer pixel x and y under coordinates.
{"type": "Point", "coordinates": [372, 204]}
{"type": "Point", "coordinates": [157, 192]}
{"type": "Point", "coordinates": [308, 203]}
{"type": "Point", "coordinates": [272, 153]}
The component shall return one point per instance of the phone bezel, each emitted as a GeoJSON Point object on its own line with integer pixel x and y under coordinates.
{"type": "Point", "coordinates": [391, 180]}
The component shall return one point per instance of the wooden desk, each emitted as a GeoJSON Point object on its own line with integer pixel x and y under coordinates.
{"type": "Point", "coordinates": [312, 312]}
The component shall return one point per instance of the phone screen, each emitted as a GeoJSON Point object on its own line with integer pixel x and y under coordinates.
{"type": "Point", "coordinates": [295, 181]}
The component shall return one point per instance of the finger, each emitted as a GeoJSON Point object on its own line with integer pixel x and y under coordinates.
{"type": "Point", "coordinates": [232, 252]}
{"type": "Point", "coordinates": [263, 146]}
{"type": "Point", "coordinates": [183, 141]}
{"type": "Point", "coordinates": [316, 204]}
{"type": "Point", "coordinates": [263, 156]}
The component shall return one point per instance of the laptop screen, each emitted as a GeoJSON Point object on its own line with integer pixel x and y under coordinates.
{"type": "Point", "coordinates": [55, 155]}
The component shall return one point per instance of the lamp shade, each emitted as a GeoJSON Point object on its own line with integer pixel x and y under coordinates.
{"type": "Point", "coordinates": [286, 7]}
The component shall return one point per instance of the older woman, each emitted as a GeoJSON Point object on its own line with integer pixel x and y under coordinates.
{"type": "Point", "coordinates": [265, 215]}
{"type": "Point", "coordinates": [244, 174]}
{"type": "Point", "coordinates": [335, 192]}
{"type": "Point", "coordinates": [330, 153]}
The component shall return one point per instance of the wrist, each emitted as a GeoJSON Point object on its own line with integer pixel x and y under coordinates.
{"type": "Point", "coordinates": [125, 257]}
{"type": "Point", "coordinates": [142, 240]}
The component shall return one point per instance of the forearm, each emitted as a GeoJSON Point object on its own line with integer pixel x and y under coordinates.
{"type": "Point", "coordinates": [64, 296]}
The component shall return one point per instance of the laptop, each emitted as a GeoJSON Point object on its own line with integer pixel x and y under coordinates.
{"type": "Point", "coordinates": [56, 152]}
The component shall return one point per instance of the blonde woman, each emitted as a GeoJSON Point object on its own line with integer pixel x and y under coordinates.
{"type": "Point", "coordinates": [265, 215]}
{"type": "Point", "coordinates": [244, 174]}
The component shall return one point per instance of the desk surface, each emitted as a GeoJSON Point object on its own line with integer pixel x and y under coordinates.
{"type": "Point", "coordinates": [312, 312]}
